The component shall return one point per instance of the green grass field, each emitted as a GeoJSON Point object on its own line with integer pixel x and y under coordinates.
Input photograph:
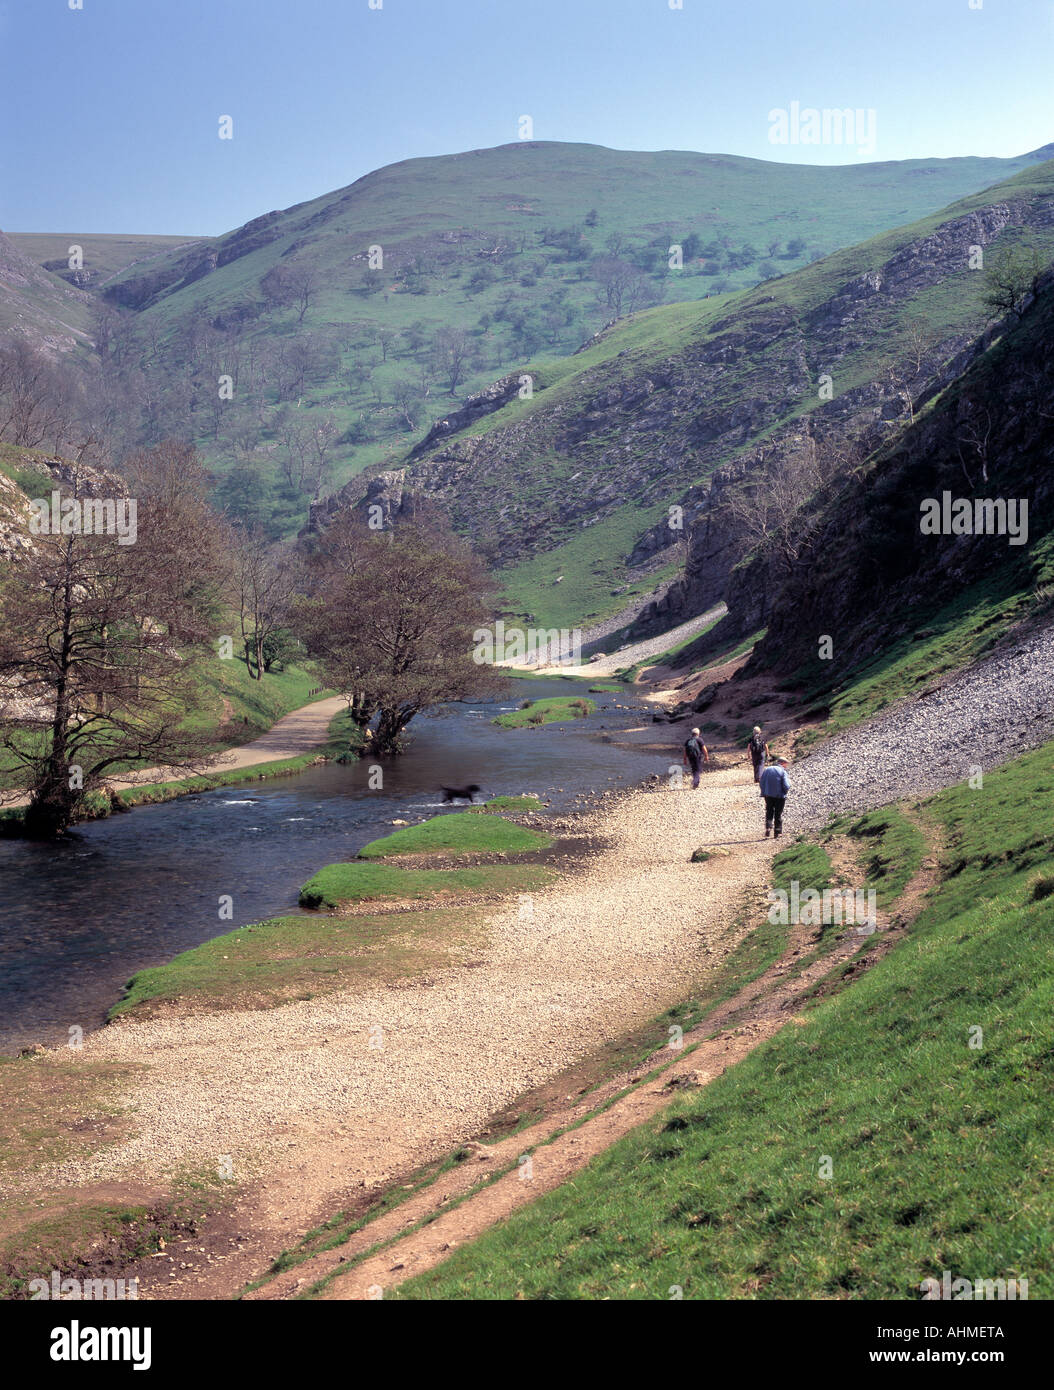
{"type": "Point", "coordinates": [905, 1129]}
{"type": "Point", "coordinates": [354, 882]}
{"type": "Point", "coordinates": [555, 710]}
{"type": "Point", "coordinates": [270, 963]}
{"type": "Point", "coordinates": [461, 832]}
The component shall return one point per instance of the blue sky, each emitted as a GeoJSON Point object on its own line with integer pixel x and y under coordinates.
{"type": "Point", "coordinates": [111, 111]}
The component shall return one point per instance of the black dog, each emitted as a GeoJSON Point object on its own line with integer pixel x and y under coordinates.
{"type": "Point", "coordinates": [459, 793]}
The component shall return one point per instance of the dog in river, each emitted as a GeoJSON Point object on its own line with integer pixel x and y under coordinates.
{"type": "Point", "coordinates": [459, 793]}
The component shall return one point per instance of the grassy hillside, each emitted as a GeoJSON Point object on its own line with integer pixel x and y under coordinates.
{"type": "Point", "coordinates": [938, 1131]}
{"type": "Point", "coordinates": [567, 481]}
{"type": "Point", "coordinates": [494, 244]}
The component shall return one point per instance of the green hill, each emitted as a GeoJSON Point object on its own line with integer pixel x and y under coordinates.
{"type": "Point", "coordinates": [902, 604]}
{"type": "Point", "coordinates": [490, 258]}
{"type": "Point", "coordinates": [575, 483]}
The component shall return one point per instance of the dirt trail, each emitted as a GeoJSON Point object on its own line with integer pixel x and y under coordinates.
{"type": "Point", "coordinates": [290, 737]}
{"type": "Point", "coordinates": [541, 1158]}
{"type": "Point", "coordinates": [637, 651]}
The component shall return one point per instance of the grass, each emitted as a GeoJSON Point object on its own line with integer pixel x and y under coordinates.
{"type": "Point", "coordinates": [287, 958]}
{"type": "Point", "coordinates": [338, 884]}
{"type": "Point", "coordinates": [941, 643]}
{"type": "Point", "coordinates": [342, 735]}
{"type": "Point", "coordinates": [105, 254]}
{"type": "Point", "coordinates": [299, 957]}
{"type": "Point", "coordinates": [936, 1136]}
{"type": "Point", "coordinates": [556, 710]}
{"type": "Point", "coordinates": [893, 849]}
{"type": "Point", "coordinates": [84, 1241]}
{"type": "Point", "coordinates": [462, 832]}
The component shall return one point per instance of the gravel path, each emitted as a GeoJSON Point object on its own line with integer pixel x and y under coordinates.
{"type": "Point", "coordinates": [638, 651]}
{"type": "Point", "coordinates": [613, 945]}
{"type": "Point", "coordinates": [991, 713]}
{"type": "Point", "coordinates": [289, 737]}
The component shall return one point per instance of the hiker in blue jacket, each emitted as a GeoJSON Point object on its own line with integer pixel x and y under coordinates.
{"type": "Point", "coordinates": [774, 788]}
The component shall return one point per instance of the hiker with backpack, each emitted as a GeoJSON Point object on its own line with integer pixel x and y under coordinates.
{"type": "Point", "coordinates": [696, 754]}
{"type": "Point", "coordinates": [774, 788]}
{"type": "Point", "coordinates": [758, 750]}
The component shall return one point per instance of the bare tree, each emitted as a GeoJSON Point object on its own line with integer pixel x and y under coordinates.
{"type": "Point", "coordinates": [975, 434]}
{"type": "Point", "coordinates": [408, 401]}
{"type": "Point", "coordinates": [765, 506]}
{"type": "Point", "coordinates": [391, 617]}
{"type": "Point", "coordinates": [94, 673]}
{"type": "Point", "coordinates": [452, 350]}
{"type": "Point", "coordinates": [624, 288]}
{"type": "Point", "coordinates": [263, 581]}
{"type": "Point", "coordinates": [286, 286]}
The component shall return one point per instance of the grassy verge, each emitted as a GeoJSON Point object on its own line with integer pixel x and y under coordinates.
{"type": "Point", "coordinates": [462, 832]}
{"type": "Point", "coordinates": [93, 1240]}
{"type": "Point", "coordinates": [338, 884]}
{"type": "Point", "coordinates": [904, 1129]}
{"type": "Point", "coordinates": [939, 645]}
{"type": "Point", "coordinates": [534, 713]}
{"type": "Point", "coordinates": [59, 1106]}
{"type": "Point", "coordinates": [274, 962]}
{"type": "Point", "coordinates": [516, 804]}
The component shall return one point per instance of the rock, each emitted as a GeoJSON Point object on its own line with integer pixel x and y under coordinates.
{"type": "Point", "coordinates": [700, 856]}
{"type": "Point", "coordinates": [477, 1151]}
{"type": "Point", "coordinates": [687, 1080]}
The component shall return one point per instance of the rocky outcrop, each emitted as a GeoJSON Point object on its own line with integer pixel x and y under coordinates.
{"type": "Point", "coordinates": [868, 572]}
{"type": "Point", "coordinates": [384, 490]}
{"type": "Point", "coordinates": [482, 403]}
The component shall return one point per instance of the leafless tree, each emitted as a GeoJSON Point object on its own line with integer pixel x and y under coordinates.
{"type": "Point", "coordinates": [101, 646]}
{"type": "Point", "coordinates": [390, 616]}
{"type": "Point", "coordinates": [452, 351]}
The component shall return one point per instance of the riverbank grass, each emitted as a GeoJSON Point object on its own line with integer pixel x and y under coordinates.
{"type": "Point", "coordinates": [514, 804]}
{"type": "Point", "coordinates": [283, 959]}
{"type": "Point", "coordinates": [357, 882]}
{"type": "Point", "coordinates": [554, 710]}
{"type": "Point", "coordinates": [460, 832]}
{"type": "Point", "coordinates": [902, 1129]}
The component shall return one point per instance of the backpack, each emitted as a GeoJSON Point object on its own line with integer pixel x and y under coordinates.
{"type": "Point", "coordinates": [757, 745]}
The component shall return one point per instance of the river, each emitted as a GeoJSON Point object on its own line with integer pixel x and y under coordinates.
{"type": "Point", "coordinates": [78, 917]}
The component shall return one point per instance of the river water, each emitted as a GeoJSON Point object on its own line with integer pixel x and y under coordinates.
{"type": "Point", "coordinates": [78, 918]}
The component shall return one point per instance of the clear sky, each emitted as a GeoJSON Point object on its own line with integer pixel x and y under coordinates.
{"type": "Point", "coordinates": [111, 111]}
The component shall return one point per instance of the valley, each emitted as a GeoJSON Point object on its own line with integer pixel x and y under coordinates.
{"type": "Point", "coordinates": [526, 671]}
